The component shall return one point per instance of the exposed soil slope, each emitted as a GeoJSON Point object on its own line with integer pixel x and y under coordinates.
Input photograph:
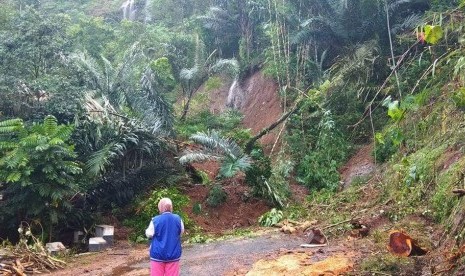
{"type": "Point", "coordinates": [259, 102]}
{"type": "Point", "coordinates": [240, 210]}
{"type": "Point", "coordinates": [262, 107]}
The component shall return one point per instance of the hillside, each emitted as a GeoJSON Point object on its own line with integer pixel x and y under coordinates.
{"type": "Point", "coordinates": [333, 123]}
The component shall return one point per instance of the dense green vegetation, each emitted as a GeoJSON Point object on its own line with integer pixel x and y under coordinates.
{"type": "Point", "coordinates": [96, 98]}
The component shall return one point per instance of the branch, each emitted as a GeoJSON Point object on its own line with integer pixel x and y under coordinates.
{"type": "Point", "coordinates": [368, 108]}
{"type": "Point", "coordinates": [459, 192]}
{"type": "Point", "coordinates": [339, 223]}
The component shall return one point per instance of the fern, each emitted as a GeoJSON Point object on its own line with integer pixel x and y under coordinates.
{"type": "Point", "coordinates": [226, 66]}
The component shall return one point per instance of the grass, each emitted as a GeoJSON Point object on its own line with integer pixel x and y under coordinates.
{"type": "Point", "coordinates": [385, 262]}
{"type": "Point", "coordinates": [197, 236]}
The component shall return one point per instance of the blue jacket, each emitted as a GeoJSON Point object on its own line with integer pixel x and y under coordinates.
{"type": "Point", "coordinates": [166, 243]}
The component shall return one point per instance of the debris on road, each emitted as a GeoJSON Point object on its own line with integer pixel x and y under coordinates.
{"type": "Point", "coordinates": [316, 236]}
{"type": "Point", "coordinates": [290, 227]}
{"type": "Point", "coordinates": [27, 258]}
{"type": "Point", "coordinates": [301, 264]}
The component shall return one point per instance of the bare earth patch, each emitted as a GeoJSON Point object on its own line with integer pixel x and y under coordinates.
{"type": "Point", "coordinates": [239, 211]}
{"type": "Point", "coordinates": [359, 165]}
{"type": "Point", "coordinates": [300, 264]}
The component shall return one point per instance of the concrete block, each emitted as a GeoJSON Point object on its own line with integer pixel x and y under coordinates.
{"type": "Point", "coordinates": [54, 248]}
{"type": "Point", "coordinates": [79, 237]}
{"type": "Point", "coordinates": [106, 232]}
{"type": "Point", "coordinates": [97, 244]}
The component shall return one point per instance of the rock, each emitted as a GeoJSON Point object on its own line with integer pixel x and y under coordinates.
{"type": "Point", "coordinates": [54, 248]}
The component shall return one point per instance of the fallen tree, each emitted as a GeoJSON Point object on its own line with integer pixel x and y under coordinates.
{"type": "Point", "coordinates": [263, 132]}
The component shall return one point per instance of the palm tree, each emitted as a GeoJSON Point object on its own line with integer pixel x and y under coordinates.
{"type": "Point", "coordinates": [215, 147]}
{"type": "Point", "coordinates": [192, 78]}
{"type": "Point", "coordinates": [127, 121]}
{"type": "Point", "coordinates": [115, 81]}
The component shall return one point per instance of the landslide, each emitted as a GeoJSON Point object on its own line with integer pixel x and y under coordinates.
{"type": "Point", "coordinates": [256, 97]}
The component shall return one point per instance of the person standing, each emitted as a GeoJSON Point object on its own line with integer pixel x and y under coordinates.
{"type": "Point", "coordinates": [165, 230]}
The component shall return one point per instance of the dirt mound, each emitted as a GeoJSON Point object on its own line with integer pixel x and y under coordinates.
{"type": "Point", "coordinates": [239, 210]}
{"type": "Point", "coordinates": [259, 102]}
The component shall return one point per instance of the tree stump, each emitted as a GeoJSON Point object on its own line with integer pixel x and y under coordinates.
{"type": "Point", "coordinates": [401, 244]}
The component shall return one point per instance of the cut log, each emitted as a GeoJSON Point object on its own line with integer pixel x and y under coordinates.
{"type": "Point", "coordinates": [401, 244]}
{"type": "Point", "coordinates": [307, 225]}
{"type": "Point", "coordinates": [315, 236]}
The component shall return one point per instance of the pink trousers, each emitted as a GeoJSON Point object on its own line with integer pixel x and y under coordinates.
{"type": "Point", "coordinates": [164, 269]}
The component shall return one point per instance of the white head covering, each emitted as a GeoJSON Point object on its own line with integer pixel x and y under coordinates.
{"type": "Point", "coordinates": [165, 205]}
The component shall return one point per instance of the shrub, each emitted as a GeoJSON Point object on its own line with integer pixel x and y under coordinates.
{"type": "Point", "coordinates": [459, 98]}
{"type": "Point", "coordinates": [216, 196]}
{"type": "Point", "coordinates": [38, 172]}
{"type": "Point", "coordinates": [318, 167]}
{"type": "Point", "coordinates": [269, 182]}
{"type": "Point", "coordinates": [271, 217]}
{"type": "Point", "coordinates": [197, 208]}
{"type": "Point", "coordinates": [387, 144]}
{"type": "Point", "coordinates": [147, 208]}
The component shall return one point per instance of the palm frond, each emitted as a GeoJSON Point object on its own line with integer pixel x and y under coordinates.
{"type": "Point", "coordinates": [216, 147]}
{"type": "Point", "coordinates": [92, 70]}
{"type": "Point", "coordinates": [227, 66]}
{"type": "Point", "coordinates": [231, 166]}
{"type": "Point", "coordinates": [210, 140]}
{"type": "Point", "coordinates": [155, 111]}
{"type": "Point", "coordinates": [188, 74]}
{"type": "Point", "coordinates": [99, 160]}
{"type": "Point", "coordinates": [191, 157]}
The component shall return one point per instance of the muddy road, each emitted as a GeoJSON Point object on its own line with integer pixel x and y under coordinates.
{"type": "Point", "coordinates": [234, 256]}
{"type": "Point", "coordinates": [228, 257]}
